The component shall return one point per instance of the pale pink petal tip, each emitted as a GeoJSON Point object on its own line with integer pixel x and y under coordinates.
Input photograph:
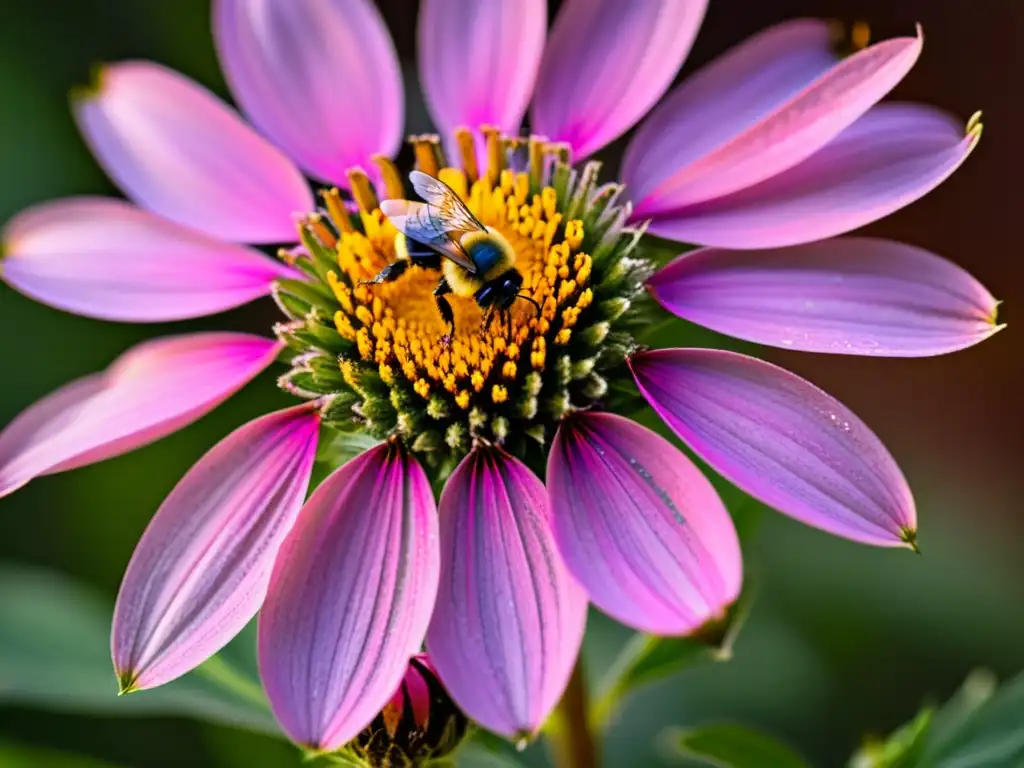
{"type": "Point", "coordinates": [200, 572]}
{"type": "Point", "coordinates": [857, 296]}
{"type": "Point", "coordinates": [782, 440]}
{"type": "Point", "coordinates": [793, 131]}
{"type": "Point", "coordinates": [180, 152]}
{"type": "Point", "coordinates": [150, 391]}
{"type": "Point", "coordinates": [640, 527]}
{"type": "Point", "coordinates": [504, 42]}
{"type": "Point", "coordinates": [108, 259]}
{"type": "Point", "coordinates": [319, 77]}
{"type": "Point", "coordinates": [350, 598]}
{"type": "Point", "coordinates": [603, 69]}
{"type": "Point", "coordinates": [509, 618]}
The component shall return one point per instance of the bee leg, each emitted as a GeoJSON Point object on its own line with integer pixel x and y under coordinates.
{"type": "Point", "coordinates": [485, 321]}
{"type": "Point", "coordinates": [446, 310]}
{"type": "Point", "coordinates": [390, 273]}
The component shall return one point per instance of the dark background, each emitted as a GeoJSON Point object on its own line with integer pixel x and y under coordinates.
{"type": "Point", "coordinates": [845, 640]}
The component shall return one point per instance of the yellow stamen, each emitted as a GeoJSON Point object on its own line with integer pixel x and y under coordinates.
{"type": "Point", "coordinates": [393, 186]}
{"type": "Point", "coordinates": [396, 326]}
{"type": "Point", "coordinates": [428, 153]}
{"type": "Point", "coordinates": [466, 143]}
{"type": "Point", "coordinates": [362, 190]}
{"type": "Point", "coordinates": [316, 223]}
{"type": "Point", "coordinates": [860, 35]}
{"type": "Point", "coordinates": [336, 210]}
{"type": "Point", "coordinates": [495, 153]}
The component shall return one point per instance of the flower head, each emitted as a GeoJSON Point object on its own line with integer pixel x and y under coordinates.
{"type": "Point", "coordinates": [419, 723]}
{"type": "Point", "coordinates": [505, 376]}
{"type": "Point", "coordinates": [550, 497]}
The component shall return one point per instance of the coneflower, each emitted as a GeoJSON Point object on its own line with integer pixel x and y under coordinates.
{"type": "Point", "coordinates": [549, 495]}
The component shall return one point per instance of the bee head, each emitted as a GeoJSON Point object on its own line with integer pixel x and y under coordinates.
{"type": "Point", "coordinates": [507, 290]}
{"type": "Point", "coordinates": [508, 287]}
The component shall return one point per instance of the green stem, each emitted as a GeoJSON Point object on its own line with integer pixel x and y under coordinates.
{"type": "Point", "coordinates": [571, 737]}
{"type": "Point", "coordinates": [222, 673]}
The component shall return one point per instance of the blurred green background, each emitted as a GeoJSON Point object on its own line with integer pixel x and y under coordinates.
{"type": "Point", "coordinates": [844, 640]}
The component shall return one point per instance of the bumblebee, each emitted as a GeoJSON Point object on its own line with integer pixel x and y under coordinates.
{"type": "Point", "coordinates": [442, 234]}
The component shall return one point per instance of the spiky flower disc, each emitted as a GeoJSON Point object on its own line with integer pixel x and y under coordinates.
{"type": "Point", "coordinates": [377, 350]}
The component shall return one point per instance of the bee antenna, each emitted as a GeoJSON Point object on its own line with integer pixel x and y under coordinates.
{"type": "Point", "coordinates": [527, 298]}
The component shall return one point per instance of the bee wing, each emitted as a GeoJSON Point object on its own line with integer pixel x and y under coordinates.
{"type": "Point", "coordinates": [420, 222]}
{"type": "Point", "coordinates": [453, 213]}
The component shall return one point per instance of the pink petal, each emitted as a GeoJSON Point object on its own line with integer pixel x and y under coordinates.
{"type": "Point", "coordinates": [605, 65]}
{"type": "Point", "coordinates": [885, 161]}
{"type": "Point", "coordinates": [509, 619]}
{"type": "Point", "coordinates": [486, 78]}
{"type": "Point", "coordinates": [201, 569]}
{"type": "Point", "coordinates": [857, 296]}
{"type": "Point", "coordinates": [782, 440]}
{"type": "Point", "coordinates": [105, 258]}
{"type": "Point", "coordinates": [724, 99]}
{"type": "Point", "coordinates": [319, 77]}
{"type": "Point", "coordinates": [177, 150]}
{"type": "Point", "coordinates": [640, 527]}
{"type": "Point", "coordinates": [350, 598]}
{"type": "Point", "coordinates": [795, 130]}
{"type": "Point", "coordinates": [150, 391]}
{"type": "Point", "coordinates": [413, 698]}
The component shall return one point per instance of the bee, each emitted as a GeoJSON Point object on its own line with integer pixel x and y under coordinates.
{"type": "Point", "coordinates": [442, 234]}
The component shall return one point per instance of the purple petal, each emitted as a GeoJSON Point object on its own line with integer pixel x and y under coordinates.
{"type": "Point", "coordinates": [488, 77]}
{"type": "Point", "coordinates": [201, 569]}
{"type": "Point", "coordinates": [105, 258]}
{"type": "Point", "coordinates": [150, 391]}
{"type": "Point", "coordinates": [350, 598]}
{"type": "Point", "coordinates": [640, 527]}
{"type": "Point", "coordinates": [885, 161]}
{"type": "Point", "coordinates": [319, 77]}
{"type": "Point", "coordinates": [177, 150]}
{"type": "Point", "coordinates": [605, 65]}
{"type": "Point", "coordinates": [509, 619]}
{"type": "Point", "coordinates": [855, 296]}
{"type": "Point", "coordinates": [722, 100]}
{"type": "Point", "coordinates": [782, 440]}
{"type": "Point", "coordinates": [795, 130]}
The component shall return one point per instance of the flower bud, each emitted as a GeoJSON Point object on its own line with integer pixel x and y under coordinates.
{"type": "Point", "coordinates": [419, 724]}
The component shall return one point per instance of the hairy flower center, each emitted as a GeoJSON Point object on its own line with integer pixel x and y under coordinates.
{"type": "Point", "coordinates": [380, 351]}
{"type": "Point", "coordinates": [398, 327]}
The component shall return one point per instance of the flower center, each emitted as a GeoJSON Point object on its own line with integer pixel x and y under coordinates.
{"type": "Point", "coordinates": [398, 326]}
{"type": "Point", "coordinates": [503, 373]}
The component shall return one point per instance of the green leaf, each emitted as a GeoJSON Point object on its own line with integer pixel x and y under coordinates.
{"type": "Point", "coordinates": [647, 659]}
{"type": "Point", "coordinates": [660, 251]}
{"type": "Point", "coordinates": [900, 748]}
{"type": "Point", "coordinates": [733, 746]}
{"type": "Point", "coordinates": [55, 654]}
{"type": "Point", "coordinates": [472, 754]}
{"type": "Point", "coordinates": [977, 689]}
{"type": "Point", "coordinates": [979, 727]}
{"type": "Point", "coordinates": [17, 756]}
{"type": "Point", "coordinates": [337, 447]}
{"type": "Point", "coordinates": [985, 730]}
